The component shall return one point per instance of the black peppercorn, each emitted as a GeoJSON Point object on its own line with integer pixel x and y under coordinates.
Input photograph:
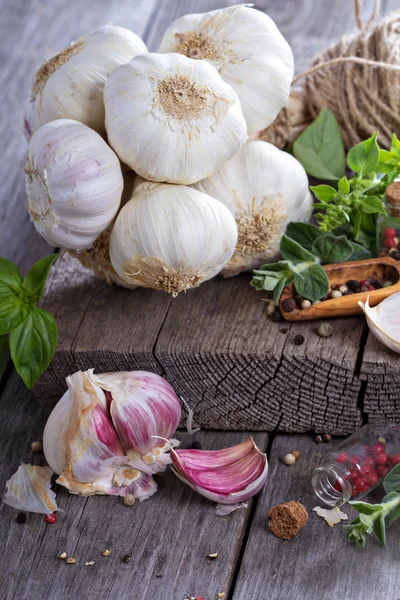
{"type": "Point", "coordinates": [21, 517]}
{"type": "Point", "coordinates": [289, 305]}
{"type": "Point", "coordinates": [395, 255]}
{"type": "Point", "coordinates": [353, 285]}
{"type": "Point", "coordinates": [299, 340]}
{"type": "Point", "coordinates": [284, 330]}
{"type": "Point", "coordinates": [298, 299]}
{"type": "Point", "coordinates": [376, 283]}
{"type": "Point", "coordinates": [126, 558]}
{"type": "Point", "coordinates": [196, 446]}
{"type": "Point", "coordinates": [326, 437]}
{"type": "Point", "coordinates": [276, 316]}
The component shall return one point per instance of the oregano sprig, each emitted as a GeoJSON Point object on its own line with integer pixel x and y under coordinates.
{"type": "Point", "coordinates": [32, 330]}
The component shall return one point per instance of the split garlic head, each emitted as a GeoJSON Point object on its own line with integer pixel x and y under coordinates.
{"type": "Point", "coordinates": [70, 84]}
{"type": "Point", "coordinates": [249, 52]}
{"type": "Point", "coordinates": [171, 238]}
{"type": "Point", "coordinates": [73, 184]}
{"type": "Point", "coordinates": [264, 188]}
{"type": "Point", "coordinates": [384, 320]}
{"type": "Point", "coordinates": [172, 119]}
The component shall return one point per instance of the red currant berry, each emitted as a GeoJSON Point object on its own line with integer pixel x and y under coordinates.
{"type": "Point", "coordinates": [382, 470]}
{"type": "Point", "coordinates": [395, 459]}
{"type": "Point", "coordinates": [365, 468]}
{"type": "Point", "coordinates": [377, 448]}
{"type": "Point", "coordinates": [355, 473]}
{"type": "Point", "coordinates": [356, 460]}
{"type": "Point", "coordinates": [390, 233]}
{"type": "Point", "coordinates": [381, 459]}
{"type": "Point", "coordinates": [364, 283]}
{"type": "Point", "coordinates": [371, 288]}
{"type": "Point", "coordinates": [389, 243]}
{"type": "Point", "coordinates": [51, 518]}
{"type": "Point", "coordinates": [338, 487]}
{"type": "Point", "coordinates": [342, 458]}
{"type": "Point", "coordinates": [361, 486]}
{"type": "Point", "coordinates": [372, 479]}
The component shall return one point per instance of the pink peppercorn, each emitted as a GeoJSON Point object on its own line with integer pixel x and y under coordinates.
{"type": "Point", "coordinates": [51, 518]}
{"type": "Point", "coordinates": [364, 282]}
{"type": "Point", "coordinates": [371, 288]}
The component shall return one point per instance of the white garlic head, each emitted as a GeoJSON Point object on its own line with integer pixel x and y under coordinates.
{"type": "Point", "coordinates": [172, 119]}
{"type": "Point", "coordinates": [384, 320]}
{"type": "Point", "coordinates": [248, 51]}
{"type": "Point", "coordinates": [264, 188]}
{"type": "Point", "coordinates": [73, 184]}
{"type": "Point", "coordinates": [70, 84]}
{"type": "Point", "coordinates": [171, 238]}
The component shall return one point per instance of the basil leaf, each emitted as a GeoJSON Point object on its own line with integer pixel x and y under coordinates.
{"type": "Point", "coordinates": [391, 483]}
{"type": "Point", "coordinates": [372, 205]}
{"type": "Point", "coordinates": [12, 313]}
{"type": "Point", "coordinates": [320, 148]}
{"type": "Point", "coordinates": [314, 283]}
{"type": "Point", "coordinates": [304, 234]}
{"type": "Point", "coordinates": [293, 252]}
{"type": "Point", "coordinates": [344, 186]}
{"type": "Point", "coordinates": [385, 156]}
{"type": "Point", "coordinates": [332, 249]}
{"type": "Point", "coordinates": [364, 157]}
{"type": "Point", "coordinates": [395, 147]}
{"type": "Point", "coordinates": [4, 353]}
{"type": "Point", "coordinates": [359, 252]}
{"type": "Point", "coordinates": [33, 345]}
{"type": "Point", "coordinates": [325, 193]}
{"type": "Point", "coordinates": [10, 279]}
{"type": "Point", "coordinates": [35, 281]}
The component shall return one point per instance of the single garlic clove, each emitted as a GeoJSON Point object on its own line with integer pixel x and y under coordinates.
{"type": "Point", "coordinates": [70, 84]}
{"type": "Point", "coordinates": [171, 238]}
{"type": "Point", "coordinates": [30, 489]}
{"type": "Point", "coordinates": [143, 408]}
{"type": "Point", "coordinates": [229, 476]}
{"type": "Point", "coordinates": [384, 320]}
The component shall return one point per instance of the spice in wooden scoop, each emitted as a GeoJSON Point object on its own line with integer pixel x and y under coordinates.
{"type": "Point", "coordinates": [287, 519]}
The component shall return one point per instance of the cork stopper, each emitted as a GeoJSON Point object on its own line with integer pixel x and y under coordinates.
{"type": "Point", "coordinates": [286, 520]}
{"type": "Point", "coordinates": [393, 198]}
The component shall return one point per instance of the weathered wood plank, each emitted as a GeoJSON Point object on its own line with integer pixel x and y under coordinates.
{"type": "Point", "coordinates": [168, 537]}
{"type": "Point", "coordinates": [319, 562]}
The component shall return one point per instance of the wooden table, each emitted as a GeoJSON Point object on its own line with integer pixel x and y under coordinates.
{"type": "Point", "coordinates": [168, 538]}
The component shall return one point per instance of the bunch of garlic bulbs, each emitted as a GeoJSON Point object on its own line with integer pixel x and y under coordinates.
{"type": "Point", "coordinates": [178, 118]}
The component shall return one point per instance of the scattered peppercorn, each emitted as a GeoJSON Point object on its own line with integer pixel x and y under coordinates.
{"type": "Point", "coordinates": [21, 517]}
{"type": "Point", "coordinates": [51, 518]}
{"type": "Point", "coordinates": [213, 556]}
{"type": "Point", "coordinates": [62, 556]}
{"type": "Point", "coordinates": [284, 330]}
{"type": "Point", "coordinates": [298, 340]}
{"type": "Point", "coordinates": [343, 288]}
{"type": "Point", "coordinates": [289, 305]}
{"type": "Point", "coordinates": [270, 308]}
{"type": "Point", "coordinates": [196, 446]}
{"type": "Point", "coordinates": [221, 595]}
{"type": "Point", "coordinates": [387, 284]}
{"type": "Point", "coordinates": [89, 563]}
{"type": "Point", "coordinates": [289, 459]}
{"type": "Point", "coordinates": [336, 294]}
{"type": "Point", "coordinates": [326, 437]}
{"type": "Point", "coordinates": [37, 446]}
{"type": "Point", "coordinates": [305, 304]}
{"type": "Point", "coordinates": [375, 282]}
{"type": "Point", "coordinates": [276, 316]}
{"type": "Point", "coordinates": [129, 500]}
{"type": "Point", "coordinates": [325, 330]}
{"type": "Point", "coordinates": [126, 558]}
{"type": "Point", "coordinates": [70, 560]}
{"type": "Point", "coordinates": [296, 454]}
{"type": "Point", "coordinates": [318, 439]}
{"type": "Point", "coordinates": [106, 552]}
{"type": "Point", "coordinates": [353, 285]}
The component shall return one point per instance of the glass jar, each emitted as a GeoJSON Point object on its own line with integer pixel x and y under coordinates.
{"type": "Point", "coordinates": [388, 226]}
{"type": "Point", "coordinates": [358, 465]}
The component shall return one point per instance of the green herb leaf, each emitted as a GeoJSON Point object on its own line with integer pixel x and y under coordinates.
{"type": "Point", "coordinates": [13, 312]}
{"type": "Point", "coordinates": [359, 252]}
{"type": "Point", "coordinates": [395, 147]}
{"type": "Point", "coordinates": [292, 251]}
{"type": "Point", "coordinates": [380, 529]}
{"type": "Point", "coordinates": [332, 249]}
{"type": "Point", "coordinates": [364, 157]}
{"type": "Point", "coordinates": [35, 280]}
{"type": "Point", "coordinates": [372, 205]}
{"type": "Point", "coordinates": [314, 283]}
{"type": "Point", "coordinates": [4, 353]}
{"type": "Point", "coordinates": [355, 219]}
{"type": "Point", "coordinates": [385, 156]}
{"type": "Point", "coordinates": [279, 289]}
{"type": "Point", "coordinates": [365, 508]}
{"type": "Point", "coordinates": [320, 148]}
{"type": "Point", "coordinates": [325, 193]}
{"type": "Point", "coordinates": [304, 234]}
{"type": "Point", "coordinates": [270, 283]}
{"type": "Point", "coordinates": [394, 514]}
{"type": "Point", "coordinates": [344, 186]}
{"type": "Point", "coordinates": [33, 345]}
{"type": "Point", "coordinates": [10, 279]}
{"type": "Point", "coordinates": [391, 483]}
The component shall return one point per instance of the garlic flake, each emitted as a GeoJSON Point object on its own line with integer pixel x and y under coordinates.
{"type": "Point", "coordinates": [264, 188]}
{"type": "Point", "coordinates": [70, 84]}
{"type": "Point", "coordinates": [73, 184]}
{"type": "Point", "coordinates": [30, 489]}
{"type": "Point", "coordinates": [249, 52]}
{"type": "Point", "coordinates": [171, 238]}
{"type": "Point", "coordinates": [172, 119]}
{"type": "Point", "coordinates": [384, 320]}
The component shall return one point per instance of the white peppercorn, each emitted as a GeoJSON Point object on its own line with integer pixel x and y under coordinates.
{"type": "Point", "coordinates": [343, 288]}
{"type": "Point", "coordinates": [325, 330]}
{"type": "Point", "coordinates": [289, 459]}
{"type": "Point", "coordinates": [336, 294]}
{"type": "Point", "coordinates": [305, 304]}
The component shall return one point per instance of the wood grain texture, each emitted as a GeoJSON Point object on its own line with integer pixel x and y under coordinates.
{"type": "Point", "coordinates": [168, 537]}
{"type": "Point", "coordinates": [319, 562]}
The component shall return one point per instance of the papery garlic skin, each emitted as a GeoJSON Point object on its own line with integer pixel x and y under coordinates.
{"type": "Point", "coordinates": [384, 320]}
{"type": "Point", "coordinates": [171, 238]}
{"type": "Point", "coordinates": [248, 51]}
{"type": "Point", "coordinates": [30, 489]}
{"type": "Point", "coordinates": [264, 188]}
{"type": "Point", "coordinates": [172, 119]}
{"type": "Point", "coordinates": [229, 476]}
{"type": "Point", "coordinates": [73, 184]}
{"type": "Point", "coordinates": [70, 84]}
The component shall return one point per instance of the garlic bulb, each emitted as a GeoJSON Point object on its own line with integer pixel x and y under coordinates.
{"type": "Point", "coordinates": [70, 84]}
{"type": "Point", "coordinates": [73, 184]}
{"type": "Point", "coordinates": [264, 188]}
{"type": "Point", "coordinates": [171, 238]}
{"type": "Point", "coordinates": [172, 119]}
{"type": "Point", "coordinates": [248, 51]}
{"type": "Point", "coordinates": [384, 320]}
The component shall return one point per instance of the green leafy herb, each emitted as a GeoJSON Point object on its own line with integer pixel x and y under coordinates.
{"type": "Point", "coordinates": [33, 331]}
{"type": "Point", "coordinates": [320, 148]}
{"type": "Point", "coordinates": [377, 518]}
{"type": "Point", "coordinates": [327, 247]}
{"type": "Point", "coordinates": [364, 157]}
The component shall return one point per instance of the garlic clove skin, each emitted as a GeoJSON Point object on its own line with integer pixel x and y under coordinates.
{"type": "Point", "coordinates": [264, 188]}
{"type": "Point", "coordinates": [73, 184]}
{"type": "Point", "coordinates": [143, 407]}
{"type": "Point", "coordinates": [30, 489]}
{"type": "Point", "coordinates": [249, 52]}
{"type": "Point", "coordinates": [70, 84]}
{"type": "Point", "coordinates": [171, 238]}
{"type": "Point", "coordinates": [229, 476]}
{"type": "Point", "coordinates": [160, 102]}
{"type": "Point", "coordinates": [384, 320]}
